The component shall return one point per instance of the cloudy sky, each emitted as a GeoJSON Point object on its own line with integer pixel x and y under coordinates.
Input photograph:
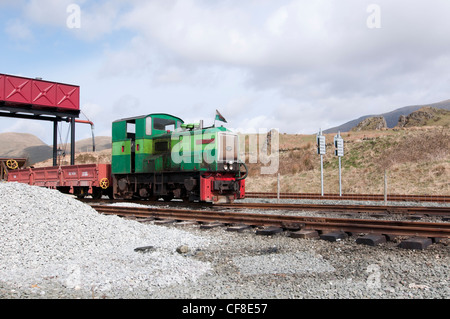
{"type": "Point", "coordinates": [295, 65]}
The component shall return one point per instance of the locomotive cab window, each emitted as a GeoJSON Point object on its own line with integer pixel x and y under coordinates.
{"type": "Point", "coordinates": [164, 124]}
{"type": "Point", "coordinates": [131, 129]}
{"type": "Point", "coordinates": [170, 128]}
{"type": "Point", "coordinates": [148, 125]}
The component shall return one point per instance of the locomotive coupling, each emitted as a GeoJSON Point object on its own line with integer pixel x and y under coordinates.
{"type": "Point", "coordinates": [222, 186]}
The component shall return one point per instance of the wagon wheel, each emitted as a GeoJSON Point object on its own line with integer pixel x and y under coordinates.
{"type": "Point", "coordinates": [12, 164]}
{"type": "Point", "coordinates": [96, 193]}
{"type": "Point", "coordinates": [104, 183]}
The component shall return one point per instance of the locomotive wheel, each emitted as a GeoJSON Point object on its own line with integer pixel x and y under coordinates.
{"type": "Point", "coordinates": [123, 189]}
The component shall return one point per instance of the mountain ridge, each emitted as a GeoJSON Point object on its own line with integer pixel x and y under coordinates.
{"type": "Point", "coordinates": [25, 145]}
{"type": "Point", "coordinates": [391, 117]}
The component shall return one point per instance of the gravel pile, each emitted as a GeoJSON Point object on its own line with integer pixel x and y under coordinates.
{"type": "Point", "coordinates": [50, 238]}
{"type": "Point", "coordinates": [53, 246]}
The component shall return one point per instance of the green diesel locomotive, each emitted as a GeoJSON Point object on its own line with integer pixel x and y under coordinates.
{"type": "Point", "coordinates": [158, 155]}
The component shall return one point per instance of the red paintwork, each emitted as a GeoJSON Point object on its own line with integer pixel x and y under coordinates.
{"type": "Point", "coordinates": [2, 87]}
{"type": "Point", "coordinates": [86, 175]}
{"type": "Point", "coordinates": [16, 91]}
{"type": "Point", "coordinates": [206, 187]}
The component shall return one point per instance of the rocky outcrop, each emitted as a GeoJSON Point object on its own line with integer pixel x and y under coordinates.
{"type": "Point", "coordinates": [371, 123]}
{"type": "Point", "coordinates": [421, 117]}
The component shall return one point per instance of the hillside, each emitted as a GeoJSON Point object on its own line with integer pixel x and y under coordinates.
{"type": "Point", "coordinates": [426, 116]}
{"type": "Point", "coordinates": [390, 117]}
{"type": "Point", "coordinates": [85, 145]}
{"type": "Point", "coordinates": [371, 123]}
{"type": "Point", "coordinates": [416, 160]}
{"type": "Point", "coordinates": [25, 145]}
{"type": "Point", "coordinates": [103, 156]}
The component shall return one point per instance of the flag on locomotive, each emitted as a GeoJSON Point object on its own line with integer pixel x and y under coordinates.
{"type": "Point", "coordinates": [219, 117]}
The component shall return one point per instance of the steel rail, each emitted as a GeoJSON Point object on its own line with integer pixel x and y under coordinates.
{"type": "Point", "coordinates": [373, 197]}
{"type": "Point", "coordinates": [425, 210]}
{"type": "Point", "coordinates": [324, 224]}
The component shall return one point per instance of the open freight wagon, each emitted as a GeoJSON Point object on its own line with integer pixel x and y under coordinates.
{"type": "Point", "coordinates": [79, 180]}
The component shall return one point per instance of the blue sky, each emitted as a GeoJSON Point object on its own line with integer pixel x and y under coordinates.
{"type": "Point", "coordinates": [295, 65]}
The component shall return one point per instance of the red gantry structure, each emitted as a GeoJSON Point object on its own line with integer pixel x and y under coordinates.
{"type": "Point", "coordinates": [28, 98]}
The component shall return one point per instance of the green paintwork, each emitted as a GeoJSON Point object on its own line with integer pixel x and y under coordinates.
{"type": "Point", "coordinates": [121, 161]}
{"type": "Point", "coordinates": [162, 151]}
{"type": "Point", "coordinates": [119, 131]}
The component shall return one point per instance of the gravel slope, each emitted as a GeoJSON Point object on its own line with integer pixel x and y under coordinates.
{"type": "Point", "coordinates": [53, 246]}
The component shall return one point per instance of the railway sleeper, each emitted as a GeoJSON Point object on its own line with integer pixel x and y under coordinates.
{"type": "Point", "coordinates": [238, 228]}
{"type": "Point", "coordinates": [305, 234]}
{"type": "Point", "coordinates": [211, 225]}
{"type": "Point", "coordinates": [269, 230]}
{"type": "Point", "coordinates": [416, 243]}
{"type": "Point", "coordinates": [371, 239]}
{"type": "Point", "coordinates": [334, 236]}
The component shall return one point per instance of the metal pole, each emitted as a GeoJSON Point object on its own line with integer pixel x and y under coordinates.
{"type": "Point", "coordinates": [72, 141]}
{"type": "Point", "coordinates": [385, 188]}
{"type": "Point", "coordinates": [321, 171]}
{"type": "Point", "coordinates": [340, 180]}
{"type": "Point", "coordinates": [55, 142]}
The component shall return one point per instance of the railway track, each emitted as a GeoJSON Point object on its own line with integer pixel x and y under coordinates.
{"type": "Point", "coordinates": [284, 222]}
{"type": "Point", "coordinates": [368, 197]}
{"type": "Point", "coordinates": [337, 208]}
{"type": "Point", "coordinates": [407, 210]}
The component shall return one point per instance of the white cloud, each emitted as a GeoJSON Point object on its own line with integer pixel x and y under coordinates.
{"type": "Point", "coordinates": [276, 24]}
{"type": "Point", "coordinates": [18, 30]}
{"type": "Point", "coordinates": [47, 12]}
{"type": "Point", "coordinates": [135, 60]}
{"type": "Point", "coordinates": [38, 128]}
{"type": "Point", "coordinates": [98, 19]}
{"type": "Point", "coordinates": [296, 64]}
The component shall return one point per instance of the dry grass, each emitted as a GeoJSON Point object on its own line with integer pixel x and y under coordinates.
{"type": "Point", "coordinates": [100, 157]}
{"type": "Point", "coordinates": [416, 160]}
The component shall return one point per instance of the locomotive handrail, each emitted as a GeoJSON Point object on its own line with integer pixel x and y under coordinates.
{"type": "Point", "coordinates": [246, 172]}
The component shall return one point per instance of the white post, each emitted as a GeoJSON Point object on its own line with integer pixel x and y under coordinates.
{"type": "Point", "coordinates": [340, 180]}
{"type": "Point", "coordinates": [321, 171]}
